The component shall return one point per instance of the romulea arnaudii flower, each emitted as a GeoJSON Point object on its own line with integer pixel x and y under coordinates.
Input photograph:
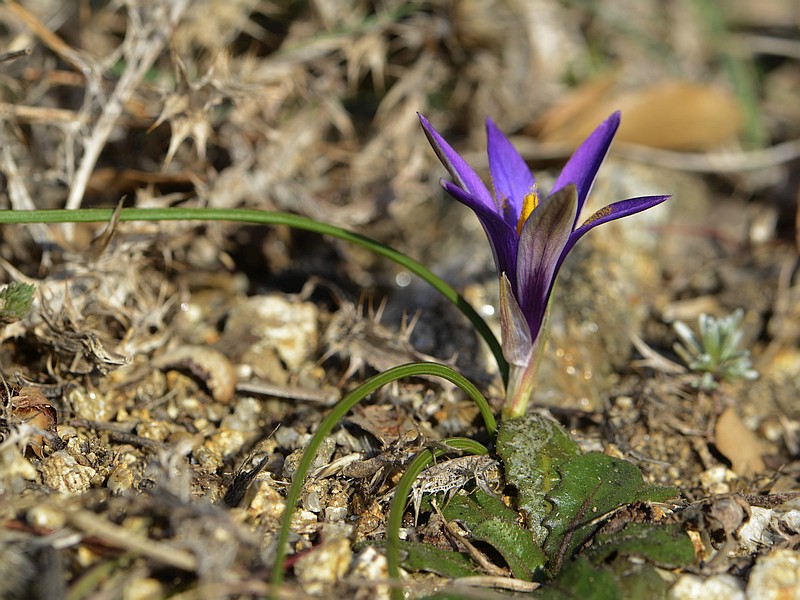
{"type": "Point", "coordinates": [530, 238]}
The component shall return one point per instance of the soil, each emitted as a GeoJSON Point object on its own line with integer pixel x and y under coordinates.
{"type": "Point", "coordinates": [162, 387]}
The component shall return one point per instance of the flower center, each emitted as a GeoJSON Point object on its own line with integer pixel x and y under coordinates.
{"type": "Point", "coordinates": [529, 203]}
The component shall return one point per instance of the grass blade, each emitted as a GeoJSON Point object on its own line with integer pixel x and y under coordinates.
{"type": "Point", "coordinates": [261, 217]}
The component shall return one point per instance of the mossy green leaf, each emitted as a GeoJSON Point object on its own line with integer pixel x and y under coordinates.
{"type": "Point", "coordinates": [533, 448]}
{"type": "Point", "coordinates": [664, 545]}
{"type": "Point", "coordinates": [592, 485]}
{"type": "Point", "coordinates": [15, 301]}
{"type": "Point", "coordinates": [447, 563]}
{"type": "Point", "coordinates": [639, 581]}
{"type": "Point", "coordinates": [619, 555]}
{"type": "Point", "coordinates": [580, 580]}
{"type": "Point", "coordinates": [492, 522]}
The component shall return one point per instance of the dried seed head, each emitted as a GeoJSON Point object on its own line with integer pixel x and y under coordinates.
{"type": "Point", "coordinates": [31, 407]}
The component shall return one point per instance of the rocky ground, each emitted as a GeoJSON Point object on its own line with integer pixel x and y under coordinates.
{"type": "Point", "coordinates": [161, 388]}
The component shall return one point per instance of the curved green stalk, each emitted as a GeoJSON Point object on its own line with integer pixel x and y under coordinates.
{"type": "Point", "coordinates": [339, 411]}
{"type": "Point", "coordinates": [400, 500]}
{"type": "Point", "coordinates": [246, 215]}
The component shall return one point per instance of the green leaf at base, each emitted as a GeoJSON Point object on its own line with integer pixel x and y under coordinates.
{"type": "Point", "coordinates": [533, 448]}
{"type": "Point", "coordinates": [591, 486]}
{"type": "Point", "coordinates": [447, 563]}
{"type": "Point", "coordinates": [492, 522]}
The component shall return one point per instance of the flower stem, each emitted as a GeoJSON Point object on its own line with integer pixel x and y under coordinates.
{"type": "Point", "coordinates": [522, 380]}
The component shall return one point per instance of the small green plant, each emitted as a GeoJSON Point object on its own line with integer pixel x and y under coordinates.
{"type": "Point", "coordinates": [15, 301]}
{"type": "Point", "coordinates": [716, 356]}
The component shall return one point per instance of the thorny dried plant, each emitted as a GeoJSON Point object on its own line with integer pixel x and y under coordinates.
{"type": "Point", "coordinates": [281, 113]}
{"type": "Point", "coordinates": [100, 308]}
{"type": "Point", "coordinates": [363, 341]}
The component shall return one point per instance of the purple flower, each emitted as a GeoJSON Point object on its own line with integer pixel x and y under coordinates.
{"type": "Point", "coordinates": [530, 239]}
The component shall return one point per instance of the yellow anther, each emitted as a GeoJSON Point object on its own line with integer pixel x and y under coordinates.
{"type": "Point", "coordinates": [529, 203]}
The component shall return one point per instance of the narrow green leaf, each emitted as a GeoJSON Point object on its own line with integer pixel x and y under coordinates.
{"type": "Point", "coordinates": [244, 215]}
{"type": "Point", "coordinates": [341, 409]}
{"type": "Point", "coordinates": [402, 492]}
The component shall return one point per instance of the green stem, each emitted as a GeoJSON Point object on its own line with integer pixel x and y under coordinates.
{"type": "Point", "coordinates": [336, 415]}
{"type": "Point", "coordinates": [400, 500]}
{"type": "Point", "coordinates": [245, 215]}
{"type": "Point", "coordinates": [521, 380]}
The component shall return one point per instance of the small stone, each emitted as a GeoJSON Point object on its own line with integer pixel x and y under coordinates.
{"type": "Point", "coordinates": [323, 457]}
{"type": "Point", "coordinates": [208, 457]}
{"type": "Point", "coordinates": [304, 522]}
{"type": "Point", "coordinates": [791, 521]}
{"type": "Point", "coordinates": [88, 404]}
{"type": "Point", "coordinates": [245, 416]}
{"type": "Point", "coordinates": [46, 517]}
{"type": "Point", "coordinates": [754, 534]}
{"type": "Point", "coordinates": [14, 468]}
{"type": "Point", "coordinates": [154, 430]}
{"type": "Point", "coordinates": [287, 437]}
{"type": "Point", "coordinates": [718, 587]}
{"type": "Point", "coordinates": [335, 513]}
{"type": "Point", "coordinates": [263, 500]}
{"type": "Point", "coordinates": [776, 576]}
{"type": "Point", "coordinates": [716, 480]}
{"type": "Point", "coordinates": [326, 564]}
{"type": "Point", "coordinates": [370, 565]}
{"type": "Point", "coordinates": [288, 327]}
{"type": "Point", "coordinates": [120, 479]}
{"type": "Point", "coordinates": [142, 589]}
{"type": "Point", "coordinates": [314, 496]}
{"type": "Point", "coordinates": [62, 472]}
{"type": "Point", "coordinates": [226, 443]}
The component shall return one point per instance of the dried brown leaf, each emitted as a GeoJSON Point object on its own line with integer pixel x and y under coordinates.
{"type": "Point", "coordinates": [674, 115]}
{"type": "Point", "coordinates": [29, 405]}
{"type": "Point", "coordinates": [738, 444]}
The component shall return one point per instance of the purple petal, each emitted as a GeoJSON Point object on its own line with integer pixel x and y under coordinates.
{"type": "Point", "coordinates": [511, 177]}
{"type": "Point", "coordinates": [517, 342]}
{"type": "Point", "coordinates": [460, 171]}
{"type": "Point", "coordinates": [581, 168]}
{"type": "Point", "coordinates": [502, 237]}
{"type": "Point", "coordinates": [541, 245]}
{"type": "Point", "coordinates": [612, 212]}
